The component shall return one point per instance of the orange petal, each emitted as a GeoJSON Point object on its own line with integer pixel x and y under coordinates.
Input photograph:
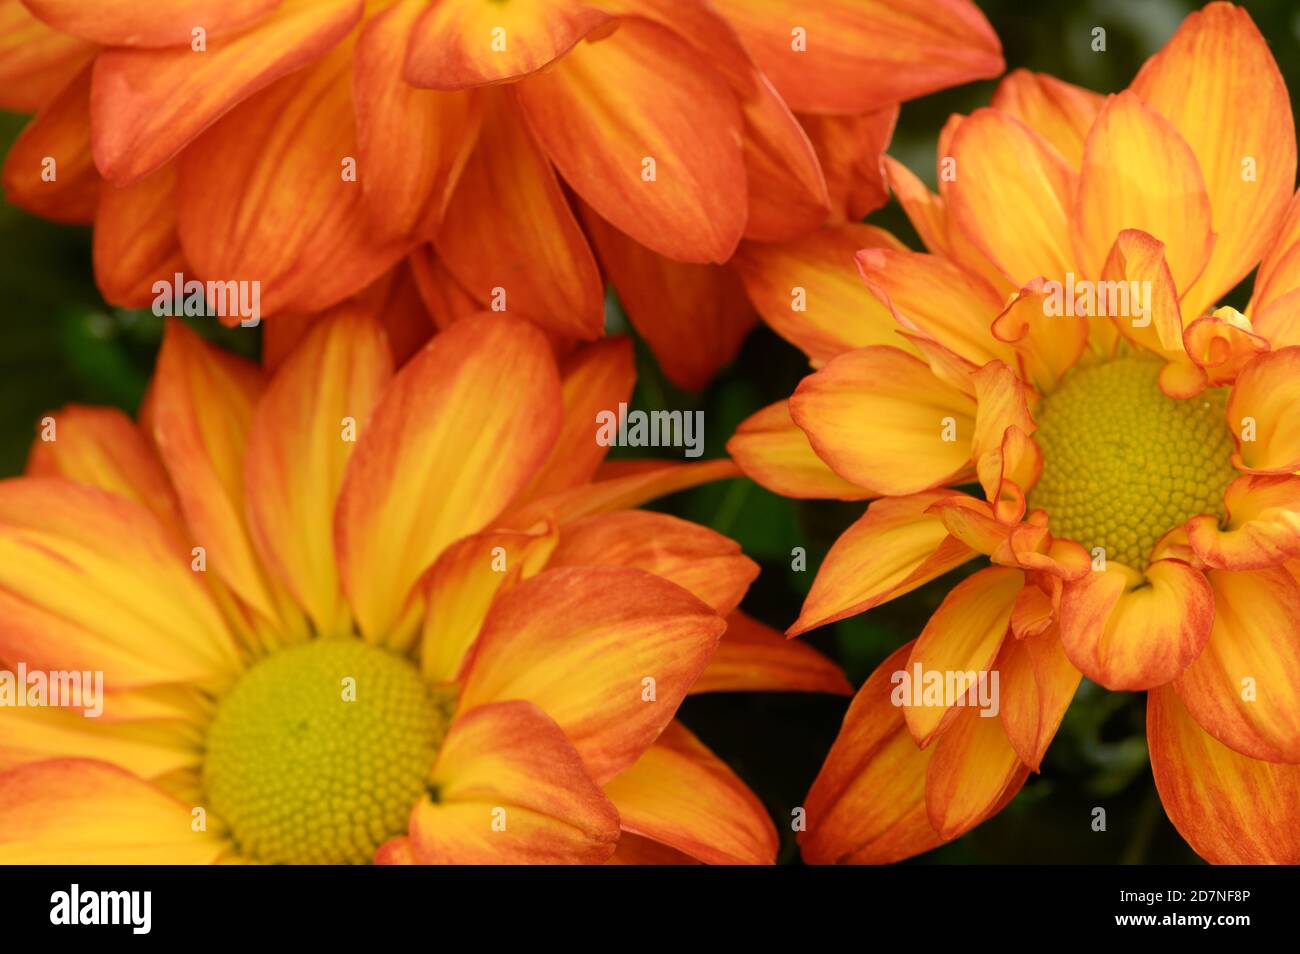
{"type": "Point", "coordinates": [867, 804]}
{"type": "Point", "coordinates": [696, 558]}
{"type": "Point", "coordinates": [148, 749]}
{"type": "Point", "coordinates": [140, 23]}
{"type": "Point", "coordinates": [1060, 112]}
{"type": "Point", "coordinates": [1037, 682]}
{"type": "Point", "coordinates": [1139, 257]}
{"type": "Point", "coordinates": [35, 61]}
{"type": "Point", "coordinates": [1230, 808]}
{"type": "Point", "coordinates": [807, 291]}
{"type": "Point", "coordinates": [202, 401]}
{"type": "Point", "coordinates": [635, 850]}
{"type": "Point", "coordinates": [694, 317]}
{"type": "Point", "coordinates": [1001, 415]}
{"type": "Point", "coordinates": [849, 149]}
{"type": "Point", "coordinates": [1047, 340]}
{"type": "Point", "coordinates": [1216, 81]}
{"type": "Point", "coordinates": [962, 637]}
{"type": "Point", "coordinates": [102, 447]}
{"type": "Point", "coordinates": [79, 811]}
{"type": "Point", "coordinates": [596, 377]}
{"type": "Point", "coordinates": [299, 443]}
{"type": "Point", "coordinates": [923, 208]}
{"type": "Point", "coordinates": [627, 487]}
{"type": "Point", "coordinates": [136, 242]}
{"type": "Point", "coordinates": [772, 450]}
{"type": "Point", "coordinates": [49, 170]}
{"type": "Point", "coordinates": [1128, 630]}
{"type": "Point", "coordinates": [91, 581]}
{"type": "Point", "coordinates": [641, 94]}
{"type": "Point", "coordinates": [1262, 414]}
{"type": "Point", "coordinates": [461, 585]}
{"type": "Point", "coordinates": [682, 795]}
{"type": "Point", "coordinates": [508, 788]}
{"type": "Point", "coordinates": [931, 295]}
{"type": "Point", "coordinates": [457, 434]}
{"type": "Point", "coordinates": [1011, 196]}
{"type": "Point", "coordinates": [1139, 173]}
{"type": "Point", "coordinates": [880, 419]}
{"type": "Point", "coordinates": [411, 143]}
{"type": "Point", "coordinates": [264, 195]}
{"type": "Point", "coordinates": [457, 44]}
{"type": "Point", "coordinates": [973, 774]}
{"type": "Point", "coordinates": [1262, 527]}
{"type": "Point", "coordinates": [445, 299]}
{"type": "Point", "coordinates": [510, 237]}
{"type": "Point", "coordinates": [787, 188]}
{"type": "Point", "coordinates": [1244, 688]}
{"type": "Point", "coordinates": [147, 105]}
{"type": "Point", "coordinates": [608, 652]}
{"type": "Point", "coordinates": [896, 546]}
{"type": "Point", "coordinates": [845, 56]}
{"type": "Point", "coordinates": [753, 657]}
{"type": "Point", "coordinates": [1221, 344]}
{"type": "Point", "coordinates": [1279, 272]}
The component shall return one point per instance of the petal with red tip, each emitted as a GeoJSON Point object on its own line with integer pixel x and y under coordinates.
{"type": "Point", "coordinates": [896, 546]}
{"type": "Point", "coordinates": [1128, 630]}
{"type": "Point", "coordinates": [880, 419]}
{"type": "Point", "coordinates": [1244, 688]}
{"type": "Point", "coordinates": [682, 795]}
{"type": "Point", "coordinates": [608, 652]}
{"type": "Point", "coordinates": [1262, 528]}
{"type": "Point", "coordinates": [508, 788]}
{"type": "Point", "coordinates": [1230, 808]}
{"type": "Point", "coordinates": [459, 431]}
{"type": "Point", "coordinates": [642, 94]}
{"type": "Point", "coordinates": [867, 804]}
{"type": "Point", "coordinates": [1037, 682]}
{"type": "Point", "coordinates": [973, 774]}
{"type": "Point", "coordinates": [850, 149]}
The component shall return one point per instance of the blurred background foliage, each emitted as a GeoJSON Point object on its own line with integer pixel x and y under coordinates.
{"type": "Point", "coordinates": [59, 343]}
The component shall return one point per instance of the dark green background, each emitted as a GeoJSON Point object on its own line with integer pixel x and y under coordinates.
{"type": "Point", "coordinates": [59, 342]}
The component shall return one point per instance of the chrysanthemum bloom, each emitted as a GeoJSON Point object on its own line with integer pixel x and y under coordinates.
{"type": "Point", "coordinates": [501, 147]}
{"type": "Point", "coordinates": [350, 614]}
{"type": "Point", "coordinates": [1140, 507]}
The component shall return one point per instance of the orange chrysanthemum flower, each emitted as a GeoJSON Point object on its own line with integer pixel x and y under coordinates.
{"type": "Point", "coordinates": [313, 145]}
{"type": "Point", "coordinates": [1141, 504]}
{"type": "Point", "coordinates": [351, 614]}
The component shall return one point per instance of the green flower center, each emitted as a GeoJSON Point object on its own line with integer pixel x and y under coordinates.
{"type": "Point", "coordinates": [319, 752]}
{"type": "Point", "coordinates": [1123, 463]}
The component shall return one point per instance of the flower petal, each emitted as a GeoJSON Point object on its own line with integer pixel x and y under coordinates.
{"type": "Point", "coordinates": [682, 795]}
{"type": "Point", "coordinates": [1139, 173]}
{"type": "Point", "coordinates": [141, 23]}
{"type": "Point", "coordinates": [35, 61]}
{"type": "Point", "coordinates": [807, 291]}
{"type": "Point", "coordinates": [608, 652]}
{"type": "Point", "coordinates": [300, 439]}
{"type": "Point", "coordinates": [880, 419]}
{"type": "Point", "coordinates": [1060, 112]}
{"type": "Point", "coordinates": [1216, 81]}
{"type": "Point", "coordinates": [1037, 682]}
{"type": "Point", "coordinates": [640, 94]}
{"type": "Point", "coordinates": [1128, 630]}
{"type": "Point", "coordinates": [962, 637]}
{"type": "Point", "coordinates": [1244, 687]}
{"type": "Point", "coordinates": [694, 317]}
{"type": "Point", "coordinates": [867, 804]}
{"type": "Point", "coordinates": [1011, 196]}
{"type": "Point", "coordinates": [148, 749]}
{"type": "Point", "coordinates": [79, 811]}
{"type": "Point", "coordinates": [91, 581]}
{"type": "Point", "coordinates": [264, 195]}
{"type": "Point", "coordinates": [787, 188]}
{"type": "Point", "coordinates": [458, 44]}
{"type": "Point", "coordinates": [136, 241]}
{"type": "Point", "coordinates": [973, 774]}
{"type": "Point", "coordinates": [1262, 413]}
{"type": "Point", "coordinates": [483, 396]}
{"type": "Point", "coordinates": [508, 788]}
{"type": "Point", "coordinates": [754, 657]}
{"type": "Point", "coordinates": [49, 170]}
{"type": "Point", "coordinates": [856, 56]}
{"type": "Point", "coordinates": [1230, 808]}
{"type": "Point", "coordinates": [772, 450]}
{"type": "Point", "coordinates": [147, 105]}
{"type": "Point", "coordinates": [698, 559]}
{"type": "Point", "coordinates": [1262, 528]}
{"type": "Point", "coordinates": [411, 143]}
{"type": "Point", "coordinates": [849, 149]}
{"type": "Point", "coordinates": [896, 546]}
